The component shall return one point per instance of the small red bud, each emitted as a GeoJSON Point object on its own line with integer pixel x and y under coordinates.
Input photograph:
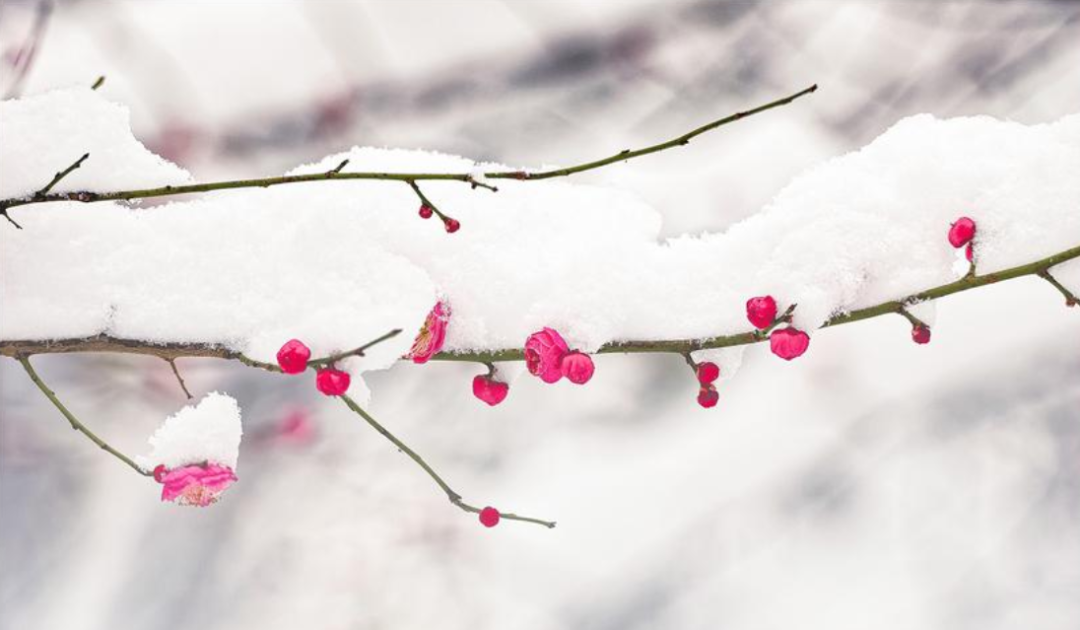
{"type": "Point", "coordinates": [707, 397]}
{"type": "Point", "coordinates": [489, 517]}
{"type": "Point", "coordinates": [293, 357]}
{"type": "Point", "coordinates": [452, 225]}
{"type": "Point", "coordinates": [788, 343]}
{"type": "Point", "coordinates": [920, 334]}
{"type": "Point", "coordinates": [332, 381]}
{"type": "Point", "coordinates": [961, 232]}
{"type": "Point", "coordinates": [426, 211]}
{"type": "Point", "coordinates": [707, 372]}
{"type": "Point", "coordinates": [761, 311]}
{"type": "Point", "coordinates": [159, 473]}
{"type": "Point", "coordinates": [969, 252]}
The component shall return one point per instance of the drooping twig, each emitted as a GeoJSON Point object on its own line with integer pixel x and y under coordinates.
{"type": "Point", "coordinates": [425, 202]}
{"type": "Point", "coordinates": [468, 178]}
{"type": "Point", "coordinates": [98, 83]}
{"type": "Point", "coordinates": [1070, 297]}
{"type": "Point", "coordinates": [454, 497]}
{"type": "Point", "coordinates": [75, 424]}
{"type": "Point", "coordinates": [179, 379]}
{"type": "Point", "coordinates": [105, 343]}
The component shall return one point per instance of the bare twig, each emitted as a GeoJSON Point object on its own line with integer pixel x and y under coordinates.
{"type": "Point", "coordinates": [355, 352]}
{"type": "Point", "coordinates": [179, 379]}
{"type": "Point", "coordinates": [98, 83]}
{"type": "Point", "coordinates": [1070, 297]}
{"type": "Point", "coordinates": [75, 424]}
{"type": "Point", "coordinates": [915, 321]}
{"type": "Point", "coordinates": [454, 497]}
{"type": "Point", "coordinates": [60, 175]}
{"type": "Point", "coordinates": [468, 178]}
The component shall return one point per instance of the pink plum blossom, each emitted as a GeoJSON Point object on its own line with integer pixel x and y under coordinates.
{"type": "Point", "coordinates": [195, 484]}
{"type": "Point", "coordinates": [432, 336]}
{"type": "Point", "coordinates": [544, 352]}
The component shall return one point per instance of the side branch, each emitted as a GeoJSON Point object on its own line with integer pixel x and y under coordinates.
{"type": "Point", "coordinates": [454, 497]}
{"type": "Point", "coordinates": [75, 424]}
{"type": "Point", "coordinates": [335, 174]}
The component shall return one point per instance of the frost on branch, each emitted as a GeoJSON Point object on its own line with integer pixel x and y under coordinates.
{"type": "Point", "coordinates": [336, 263]}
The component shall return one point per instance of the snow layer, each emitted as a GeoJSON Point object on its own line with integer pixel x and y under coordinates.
{"type": "Point", "coordinates": [338, 263]}
{"type": "Point", "coordinates": [46, 133]}
{"type": "Point", "coordinates": [206, 432]}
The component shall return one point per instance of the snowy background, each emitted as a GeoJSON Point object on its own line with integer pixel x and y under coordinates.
{"type": "Point", "coordinates": [871, 483]}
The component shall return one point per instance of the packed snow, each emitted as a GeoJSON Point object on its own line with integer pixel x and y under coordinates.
{"type": "Point", "coordinates": [338, 263]}
{"type": "Point", "coordinates": [208, 431]}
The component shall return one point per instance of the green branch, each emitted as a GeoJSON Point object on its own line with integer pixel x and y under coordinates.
{"type": "Point", "coordinates": [412, 178]}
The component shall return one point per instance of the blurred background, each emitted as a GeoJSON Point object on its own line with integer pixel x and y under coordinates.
{"type": "Point", "coordinates": [872, 483]}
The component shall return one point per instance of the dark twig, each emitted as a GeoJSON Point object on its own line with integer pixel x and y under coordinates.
{"type": "Point", "coordinates": [59, 176]}
{"type": "Point", "coordinates": [454, 497]}
{"type": "Point", "coordinates": [355, 352]}
{"type": "Point", "coordinates": [179, 379]}
{"type": "Point", "coordinates": [98, 83]}
{"type": "Point", "coordinates": [75, 424]}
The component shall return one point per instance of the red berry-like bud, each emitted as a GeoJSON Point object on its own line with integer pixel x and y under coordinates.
{"type": "Point", "coordinates": [920, 334]}
{"type": "Point", "coordinates": [761, 311]}
{"type": "Point", "coordinates": [332, 381]}
{"type": "Point", "coordinates": [489, 517]}
{"type": "Point", "coordinates": [788, 343]}
{"type": "Point", "coordinates": [969, 252]}
{"type": "Point", "coordinates": [707, 372]}
{"type": "Point", "coordinates": [452, 225]}
{"type": "Point", "coordinates": [961, 232]}
{"type": "Point", "coordinates": [489, 390]}
{"type": "Point", "coordinates": [578, 367]}
{"type": "Point", "coordinates": [159, 473]}
{"type": "Point", "coordinates": [708, 396]}
{"type": "Point", "coordinates": [426, 211]}
{"type": "Point", "coordinates": [293, 357]}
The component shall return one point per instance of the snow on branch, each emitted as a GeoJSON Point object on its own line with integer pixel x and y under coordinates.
{"type": "Point", "coordinates": [547, 272]}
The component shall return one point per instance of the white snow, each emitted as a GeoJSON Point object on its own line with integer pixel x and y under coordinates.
{"type": "Point", "coordinates": [205, 432]}
{"type": "Point", "coordinates": [338, 263]}
{"type": "Point", "coordinates": [46, 133]}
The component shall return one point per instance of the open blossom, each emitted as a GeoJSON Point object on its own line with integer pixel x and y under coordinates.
{"type": "Point", "coordinates": [432, 336]}
{"type": "Point", "coordinates": [544, 352]}
{"type": "Point", "coordinates": [195, 484]}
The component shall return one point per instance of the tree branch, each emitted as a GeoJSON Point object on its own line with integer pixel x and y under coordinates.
{"type": "Point", "coordinates": [1070, 298]}
{"type": "Point", "coordinates": [467, 178]}
{"type": "Point", "coordinates": [454, 497]}
{"type": "Point", "coordinates": [44, 192]}
{"type": "Point", "coordinates": [75, 424]}
{"type": "Point", "coordinates": [105, 343]}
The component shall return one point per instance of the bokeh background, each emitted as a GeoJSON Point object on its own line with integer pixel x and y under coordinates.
{"type": "Point", "coordinates": [872, 483]}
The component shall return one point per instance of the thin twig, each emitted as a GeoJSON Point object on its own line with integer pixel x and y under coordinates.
{"type": "Point", "coordinates": [622, 156]}
{"type": "Point", "coordinates": [1070, 297]}
{"type": "Point", "coordinates": [454, 497]}
{"type": "Point", "coordinates": [98, 83]}
{"type": "Point", "coordinates": [357, 352]}
{"type": "Point", "coordinates": [105, 343]}
{"type": "Point", "coordinates": [75, 424]}
{"type": "Point", "coordinates": [179, 379]}
{"type": "Point", "coordinates": [424, 201]}
{"type": "Point", "coordinates": [60, 175]}
{"type": "Point", "coordinates": [915, 321]}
